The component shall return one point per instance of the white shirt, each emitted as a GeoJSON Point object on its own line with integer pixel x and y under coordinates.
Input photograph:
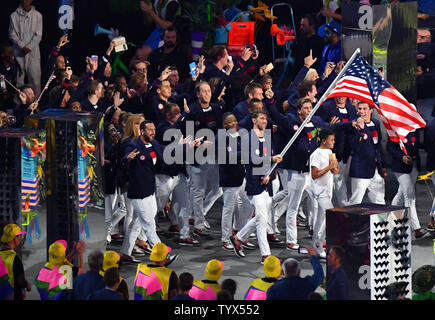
{"type": "Point", "coordinates": [323, 185]}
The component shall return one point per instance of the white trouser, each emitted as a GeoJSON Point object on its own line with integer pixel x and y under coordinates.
{"type": "Point", "coordinates": [323, 202]}
{"type": "Point", "coordinates": [198, 185]}
{"type": "Point", "coordinates": [179, 205]}
{"type": "Point", "coordinates": [375, 187]}
{"type": "Point", "coordinates": [406, 195]}
{"type": "Point", "coordinates": [280, 199]}
{"type": "Point", "coordinates": [127, 214]}
{"type": "Point", "coordinates": [144, 212]}
{"type": "Point", "coordinates": [110, 207]}
{"type": "Point", "coordinates": [165, 185]}
{"type": "Point", "coordinates": [30, 64]}
{"type": "Point", "coordinates": [231, 197]}
{"type": "Point", "coordinates": [263, 206]}
{"type": "Point", "coordinates": [215, 192]}
{"type": "Point", "coordinates": [297, 183]}
{"type": "Point", "coordinates": [340, 187]}
{"type": "Point", "coordinates": [189, 192]}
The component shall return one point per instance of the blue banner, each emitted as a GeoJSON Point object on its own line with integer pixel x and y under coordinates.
{"type": "Point", "coordinates": [66, 14]}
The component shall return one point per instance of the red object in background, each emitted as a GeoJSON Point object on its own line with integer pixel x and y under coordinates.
{"type": "Point", "coordinates": [241, 34]}
{"type": "Point", "coordinates": [282, 35]}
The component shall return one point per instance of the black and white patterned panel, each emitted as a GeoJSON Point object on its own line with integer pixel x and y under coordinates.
{"type": "Point", "coordinates": [390, 256]}
{"type": "Point", "coordinates": [401, 252]}
{"type": "Point", "coordinates": [380, 255]}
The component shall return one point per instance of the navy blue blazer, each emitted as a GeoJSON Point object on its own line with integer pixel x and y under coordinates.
{"type": "Point", "coordinates": [366, 155]}
{"type": "Point", "coordinates": [141, 169]}
{"type": "Point", "coordinates": [254, 186]}
{"type": "Point", "coordinates": [412, 144]}
{"type": "Point", "coordinates": [230, 175]}
{"type": "Point", "coordinates": [241, 110]}
{"type": "Point", "coordinates": [327, 111]}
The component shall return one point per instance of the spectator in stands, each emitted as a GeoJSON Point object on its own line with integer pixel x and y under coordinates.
{"type": "Point", "coordinates": [332, 50]}
{"type": "Point", "coordinates": [337, 285]}
{"type": "Point", "coordinates": [87, 283]}
{"type": "Point", "coordinates": [231, 286]}
{"type": "Point", "coordinates": [110, 291]}
{"type": "Point", "coordinates": [170, 54]}
{"type": "Point", "coordinates": [293, 286]}
{"type": "Point", "coordinates": [185, 283]}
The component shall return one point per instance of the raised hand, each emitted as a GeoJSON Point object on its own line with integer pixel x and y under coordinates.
{"type": "Point", "coordinates": [22, 97]}
{"type": "Point", "coordinates": [247, 53]}
{"type": "Point", "coordinates": [309, 61]}
{"type": "Point", "coordinates": [201, 64]}
{"type": "Point", "coordinates": [117, 101]}
{"type": "Point", "coordinates": [133, 154]}
{"type": "Point", "coordinates": [269, 94]}
{"type": "Point", "coordinates": [165, 74]}
{"type": "Point", "coordinates": [62, 41]}
{"type": "Point", "coordinates": [186, 107]}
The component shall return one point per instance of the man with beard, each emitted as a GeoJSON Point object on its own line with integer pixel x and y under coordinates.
{"type": "Point", "coordinates": [332, 50]}
{"type": "Point", "coordinates": [170, 54]}
{"type": "Point", "coordinates": [309, 40]}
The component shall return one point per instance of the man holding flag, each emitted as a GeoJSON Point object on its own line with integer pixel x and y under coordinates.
{"type": "Point", "coordinates": [360, 81]}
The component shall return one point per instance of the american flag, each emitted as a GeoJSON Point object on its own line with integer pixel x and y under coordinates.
{"type": "Point", "coordinates": [362, 82]}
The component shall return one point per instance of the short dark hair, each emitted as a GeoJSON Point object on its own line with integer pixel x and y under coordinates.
{"type": "Point", "coordinates": [216, 52]}
{"type": "Point", "coordinates": [311, 19]}
{"type": "Point", "coordinates": [363, 102]}
{"type": "Point", "coordinates": [253, 102]}
{"type": "Point", "coordinates": [224, 295]}
{"type": "Point", "coordinates": [304, 87]}
{"type": "Point", "coordinates": [226, 115]}
{"type": "Point", "coordinates": [230, 285]}
{"type": "Point", "coordinates": [325, 133]}
{"type": "Point", "coordinates": [265, 78]}
{"type": "Point", "coordinates": [111, 277]}
{"type": "Point", "coordinates": [92, 87]}
{"type": "Point", "coordinates": [185, 281]}
{"type": "Point", "coordinates": [170, 29]}
{"type": "Point", "coordinates": [250, 87]}
{"type": "Point", "coordinates": [339, 252]}
{"type": "Point", "coordinates": [143, 124]}
{"type": "Point", "coordinates": [167, 107]}
{"type": "Point", "coordinates": [256, 114]}
{"type": "Point", "coordinates": [301, 102]}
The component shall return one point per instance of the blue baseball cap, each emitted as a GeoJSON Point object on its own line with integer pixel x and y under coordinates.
{"type": "Point", "coordinates": [333, 25]}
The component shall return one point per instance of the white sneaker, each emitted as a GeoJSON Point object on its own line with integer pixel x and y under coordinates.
{"type": "Point", "coordinates": [206, 225]}
{"type": "Point", "coordinates": [301, 215]}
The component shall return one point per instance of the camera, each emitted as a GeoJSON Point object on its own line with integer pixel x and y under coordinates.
{"type": "Point", "coordinates": [8, 121]}
{"type": "Point", "coordinates": [67, 64]}
{"type": "Point", "coordinates": [253, 48]}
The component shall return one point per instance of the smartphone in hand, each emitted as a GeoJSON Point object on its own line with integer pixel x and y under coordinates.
{"type": "Point", "coordinates": [192, 67]}
{"type": "Point", "coordinates": [94, 60]}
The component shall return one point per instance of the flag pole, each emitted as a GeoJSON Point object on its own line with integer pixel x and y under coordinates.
{"type": "Point", "coordinates": [295, 136]}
